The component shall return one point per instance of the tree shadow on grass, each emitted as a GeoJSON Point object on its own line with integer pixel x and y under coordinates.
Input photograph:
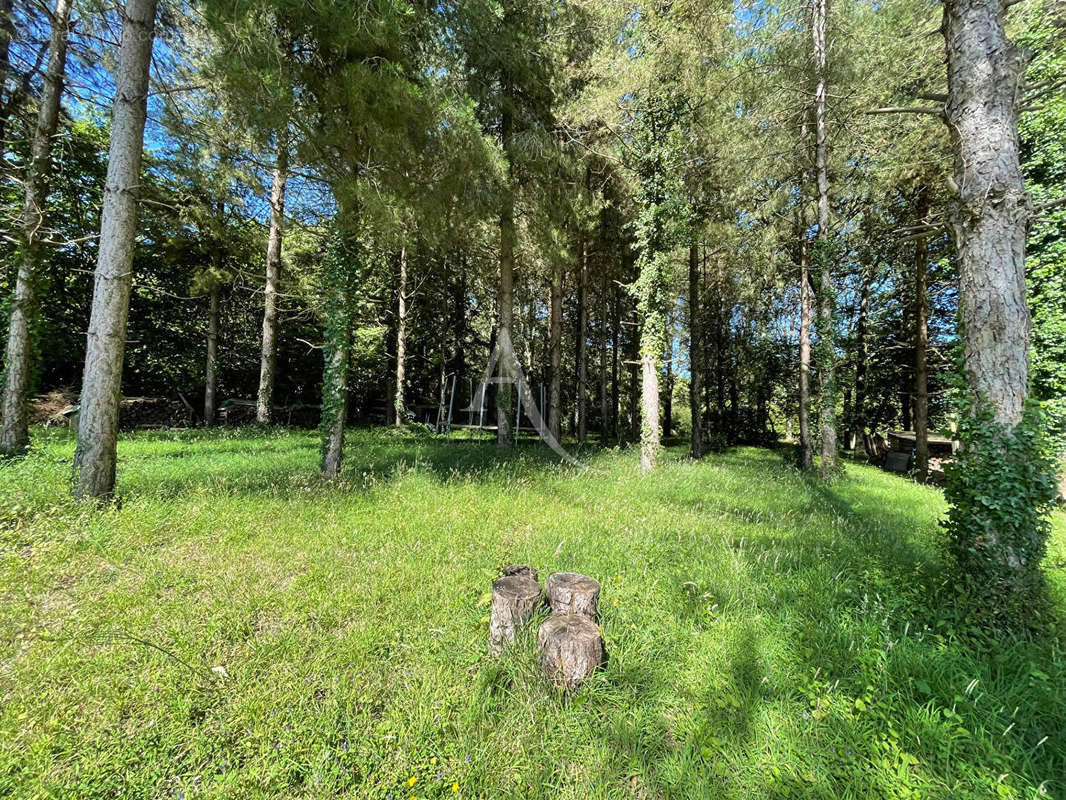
{"type": "Point", "coordinates": [877, 691]}
{"type": "Point", "coordinates": [277, 462]}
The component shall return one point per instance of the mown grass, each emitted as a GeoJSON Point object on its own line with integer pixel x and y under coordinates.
{"type": "Point", "coordinates": [240, 628]}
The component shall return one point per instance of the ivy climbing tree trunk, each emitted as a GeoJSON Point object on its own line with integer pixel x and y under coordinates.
{"type": "Point", "coordinates": [269, 355]}
{"type": "Point", "coordinates": [95, 456]}
{"type": "Point", "coordinates": [1001, 494]}
{"type": "Point", "coordinates": [399, 409]}
{"type": "Point", "coordinates": [695, 385]}
{"type": "Point", "coordinates": [335, 405]}
{"type": "Point", "coordinates": [652, 305]}
{"type": "Point", "coordinates": [826, 291]}
{"type": "Point", "coordinates": [14, 435]}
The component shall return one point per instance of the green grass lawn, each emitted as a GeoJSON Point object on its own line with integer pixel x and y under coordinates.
{"type": "Point", "coordinates": [240, 628]}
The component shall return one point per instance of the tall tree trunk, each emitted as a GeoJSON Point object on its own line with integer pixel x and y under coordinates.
{"type": "Point", "coordinates": [555, 350]}
{"type": "Point", "coordinates": [859, 407]}
{"type": "Point", "coordinates": [210, 379]}
{"type": "Point", "coordinates": [615, 324]}
{"type": "Point", "coordinates": [668, 389]}
{"type": "Point", "coordinates": [634, 385]}
{"type": "Point", "coordinates": [94, 459]}
{"type": "Point", "coordinates": [989, 218]}
{"type": "Point", "coordinates": [649, 434]}
{"type": "Point", "coordinates": [605, 410]}
{"type": "Point", "coordinates": [694, 360]}
{"type": "Point", "coordinates": [459, 301]}
{"type": "Point", "coordinates": [921, 347]}
{"type": "Point", "coordinates": [335, 404]}
{"type": "Point", "coordinates": [804, 457]}
{"type": "Point", "coordinates": [581, 343]}
{"type": "Point", "coordinates": [7, 35]}
{"type": "Point", "coordinates": [826, 383]}
{"type": "Point", "coordinates": [399, 409]}
{"type": "Point", "coordinates": [506, 295]}
{"type": "Point", "coordinates": [992, 208]}
{"type": "Point", "coordinates": [653, 306]}
{"type": "Point", "coordinates": [268, 359]}
{"type": "Point", "coordinates": [14, 435]}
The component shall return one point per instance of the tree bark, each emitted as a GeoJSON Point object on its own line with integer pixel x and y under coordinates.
{"type": "Point", "coordinates": [571, 649]}
{"type": "Point", "coordinates": [991, 210]}
{"type": "Point", "coordinates": [859, 406]}
{"type": "Point", "coordinates": [515, 598]}
{"type": "Point", "coordinates": [649, 418]}
{"type": "Point", "coordinates": [615, 324]}
{"type": "Point", "coordinates": [668, 389]}
{"type": "Point", "coordinates": [268, 359]}
{"type": "Point", "coordinates": [399, 409]}
{"type": "Point", "coordinates": [572, 593]}
{"type": "Point", "coordinates": [695, 362]}
{"type": "Point", "coordinates": [581, 344]}
{"type": "Point", "coordinates": [826, 382]}
{"type": "Point", "coordinates": [921, 347]}
{"type": "Point", "coordinates": [94, 459]}
{"type": "Point", "coordinates": [14, 435]}
{"type": "Point", "coordinates": [989, 218]}
{"type": "Point", "coordinates": [605, 410]}
{"type": "Point", "coordinates": [555, 349]}
{"type": "Point", "coordinates": [634, 387]}
{"type": "Point", "coordinates": [210, 380]}
{"type": "Point", "coordinates": [506, 294]}
{"type": "Point", "coordinates": [804, 457]}
{"type": "Point", "coordinates": [336, 384]}
{"type": "Point", "coordinates": [7, 35]}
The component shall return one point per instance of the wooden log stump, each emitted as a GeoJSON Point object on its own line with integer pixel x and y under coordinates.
{"type": "Point", "coordinates": [514, 599]}
{"type": "Point", "coordinates": [571, 649]}
{"type": "Point", "coordinates": [573, 593]}
{"type": "Point", "coordinates": [520, 569]}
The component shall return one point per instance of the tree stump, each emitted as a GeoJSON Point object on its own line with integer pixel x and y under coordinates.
{"type": "Point", "coordinates": [520, 569]}
{"type": "Point", "coordinates": [573, 593]}
{"type": "Point", "coordinates": [514, 599]}
{"type": "Point", "coordinates": [571, 649]}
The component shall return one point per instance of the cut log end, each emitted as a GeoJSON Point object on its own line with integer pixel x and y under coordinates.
{"type": "Point", "coordinates": [514, 599]}
{"type": "Point", "coordinates": [573, 593]}
{"type": "Point", "coordinates": [571, 649]}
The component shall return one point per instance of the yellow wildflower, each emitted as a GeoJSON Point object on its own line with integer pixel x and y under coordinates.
{"type": "Point", "coordinates": [412, 781]}
{"type": "Point", "coordinates": [455, 788]}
